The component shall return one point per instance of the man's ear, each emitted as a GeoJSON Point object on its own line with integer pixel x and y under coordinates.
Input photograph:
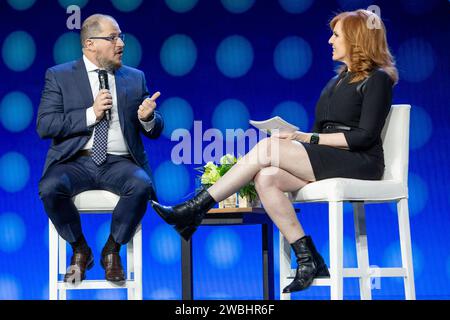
{"type": "Point", "coordinates": [89, 45]}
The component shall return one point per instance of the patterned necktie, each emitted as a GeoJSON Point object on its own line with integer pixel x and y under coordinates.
{"type": "Point", "coordinates": [100, 145]}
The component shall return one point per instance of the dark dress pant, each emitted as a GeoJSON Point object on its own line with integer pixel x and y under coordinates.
{"type": "Point", "coordinates": [119, 174]}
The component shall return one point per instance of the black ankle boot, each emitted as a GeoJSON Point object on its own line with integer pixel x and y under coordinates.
{"type": "Point", "coordinates": [310, 265]}
{"type": "Point", "coordinates": [187, 215]}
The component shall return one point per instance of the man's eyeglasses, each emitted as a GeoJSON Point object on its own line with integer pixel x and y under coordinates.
{"type": "Point", "coordinates": [111, 38]}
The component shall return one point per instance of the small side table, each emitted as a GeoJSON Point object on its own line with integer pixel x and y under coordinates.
{"type": "Point", "coordinates": [233, 216]}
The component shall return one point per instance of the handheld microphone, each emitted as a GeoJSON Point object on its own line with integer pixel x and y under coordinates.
{"type": "Point", "coordinates": [103, 78]}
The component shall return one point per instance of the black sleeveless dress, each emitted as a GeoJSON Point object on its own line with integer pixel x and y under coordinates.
{"type": "Point", "coordinates": [359, 110]}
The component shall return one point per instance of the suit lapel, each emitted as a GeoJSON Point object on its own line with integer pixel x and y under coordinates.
{"type": "Point", "coordinates": [121, 90]}
{"type": "Point", "coordinates": [82, 81]}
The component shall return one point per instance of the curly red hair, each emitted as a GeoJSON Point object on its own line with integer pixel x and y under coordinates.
{"type": "Point", "coordinates": [365, 35]}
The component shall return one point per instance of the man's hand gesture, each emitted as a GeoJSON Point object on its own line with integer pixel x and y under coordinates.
{"type": "Point", "coordinates": [145, 111]}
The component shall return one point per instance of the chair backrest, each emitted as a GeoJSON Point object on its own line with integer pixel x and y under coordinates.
{"type": "Point", "coordinates": [395, 136]}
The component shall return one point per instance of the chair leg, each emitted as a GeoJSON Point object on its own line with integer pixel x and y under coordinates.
{"type": "Point", "coordinates": [267, 263]}
{"type": "Point", "coordinates": [336, 229]}
{"type": "Point", "coordinates": [62, 249]}
{"type": "Point", "coordinates": [137, 252]}
{"type": "Point", "coordinates": [285, 266]}
{"type": "Point", "coordinates": [406, 248]}
{"type": "Point", "coordinates": [53, 262]}
{"type": "Point", "coordinates": [130, 267]}
{"type": "Point", "coordinates": [362, 251]}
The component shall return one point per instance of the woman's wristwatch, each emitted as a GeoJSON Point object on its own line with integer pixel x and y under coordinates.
{"type": "Point", "coordinates": [314, 138]}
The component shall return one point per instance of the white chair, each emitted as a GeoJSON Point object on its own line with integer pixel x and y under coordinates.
{"type": "Point", "coordinates": [94, 201]}
{"type": "Point", "coordinates": [392, 188]}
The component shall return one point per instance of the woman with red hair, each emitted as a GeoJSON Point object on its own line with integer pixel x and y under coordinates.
{"type": "Point", "coordinates": [345, 142]}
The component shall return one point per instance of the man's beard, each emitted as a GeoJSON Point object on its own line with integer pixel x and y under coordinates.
{"type": "Point", "coordinates": [108, 65]}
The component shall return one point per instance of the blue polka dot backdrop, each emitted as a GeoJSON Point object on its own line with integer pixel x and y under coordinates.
{"type": "Point", "coordinates": [178, 55]}
{"type": "Point", "coordinates": [67, 48]}
{"type": "Point", "coordinates": [173, 182]}
{"type": "Point", "coordinates": [354, 4]}
{"type": "Point", "coordinates": [293, 57]}
{"type": "Point", "coordinates": [419, 187]}
{"type": "Point", "coordinates": [296, 6]}
{"type": "Point", "coordinates": [165, 245]}
{"type": "Point", "coordinates": [416, 60]}
{"type": "Point", "coordinates": [237, 6]}
{"type": "Point", "coordinates": [18, 51]}
{"type": "Point", "coordinates": [222, 63]}
{"type": "Point", "coordinates": [45, 236]}
{"type": "Point", "coordinates": [163, 294]}
{"type": "Point", "coordinates": [132, 54]}
{"type": "Point", "coordinates": [126, 5]}
{"type": "Point", "coordinates": [422, 127]}
{"type": "Point", "coordinates": [177, 114]}
{"type": "Point", "coordinates": [16, 111]}
{"type": "Point", "coordinates": [447, 269]}
{"type": "Point", "coordinates": [234, 56]}
{"type": "Point", "coordinates": [102, 234]}
{"type": "Point", "coordinates": [79, 3]}
{"type": "Point", "coordinates": [419, 7]}
{"type": "Point", "coordinates": [111, 295]}
{"type": "Point", "coordinates": [10, 288]}
{"type": "Point", "coordinates": [392, 257]}
{"type": "Point", "coordinates": [350, 259]}
{"type": "Point", "coordinates": [12, 232]}
{"type": "Point", "coordinates": [230, 114]}
{"type": "Point", "coordinates": [292, 112]}
{"type": "Point", "coordinates": [14, 171]}
{"type": "Point", "coordinates": [181, 6]}
{"type": "Point", "coordinates": [223, 248]}
{"type": "Point", "coordinates": [21, 4]}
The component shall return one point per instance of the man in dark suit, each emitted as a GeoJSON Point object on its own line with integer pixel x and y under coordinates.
{"type": "Point", "coordinates": [92, 149]}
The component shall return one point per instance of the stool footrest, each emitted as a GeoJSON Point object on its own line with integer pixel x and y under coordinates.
{"type": "Point", "coordinates": [356, 273]}
{"type": "Point", "coordinates": [96, 284]}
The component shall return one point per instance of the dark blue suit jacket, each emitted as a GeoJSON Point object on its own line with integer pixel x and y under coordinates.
{"type": "Point", "coordinates": [62, 112]}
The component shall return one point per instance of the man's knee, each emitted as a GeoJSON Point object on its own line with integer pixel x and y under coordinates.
{"type": "Point", "coordinates": [51, 186]}
{"type": "Point", "coordinates": [141, 187]}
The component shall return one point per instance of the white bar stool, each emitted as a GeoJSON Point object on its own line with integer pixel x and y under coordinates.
{"type": "Point", "coordinates": [393, 187]}
{"type": "Point", "coordinates": [94, 201]}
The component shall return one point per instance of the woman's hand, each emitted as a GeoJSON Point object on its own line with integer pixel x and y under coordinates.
{"type": "Point", "coordinates": [296, 135]}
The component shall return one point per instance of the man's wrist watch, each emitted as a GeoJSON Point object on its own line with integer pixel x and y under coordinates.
{"type": "Point", "coordinates": [314, 138]}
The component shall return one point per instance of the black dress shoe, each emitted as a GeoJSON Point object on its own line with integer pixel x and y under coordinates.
{"type": "Point", "coordinates": [188, 215]}
{"type": "Point", "coordinates": [80, 262]}
{"type": "Point", "coordinates": [310, 265]}
{"type": "Point", "coordinates": [112, 264]}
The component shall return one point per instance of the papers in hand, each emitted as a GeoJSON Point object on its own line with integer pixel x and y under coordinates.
{"type": "Point", "coordinates": [275, 123]}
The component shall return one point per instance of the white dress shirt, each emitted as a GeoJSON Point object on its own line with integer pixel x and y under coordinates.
{"type": "Point", "coordinates": [116, 142]}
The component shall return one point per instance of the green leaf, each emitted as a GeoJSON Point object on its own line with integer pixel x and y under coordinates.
{"type": "Point", "coordinates": [248, 191]}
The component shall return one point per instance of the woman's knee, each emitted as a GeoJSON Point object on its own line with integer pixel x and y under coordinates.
{"type": "Point", "coordinates": [265, 178]}
{"type": "Point", "coordinates": [265, 148]}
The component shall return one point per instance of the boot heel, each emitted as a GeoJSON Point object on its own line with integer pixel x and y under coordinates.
{"type": "Point", "coordinates": [186, 232]}
{"type": "Point", "coordinates": [323, 273]}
